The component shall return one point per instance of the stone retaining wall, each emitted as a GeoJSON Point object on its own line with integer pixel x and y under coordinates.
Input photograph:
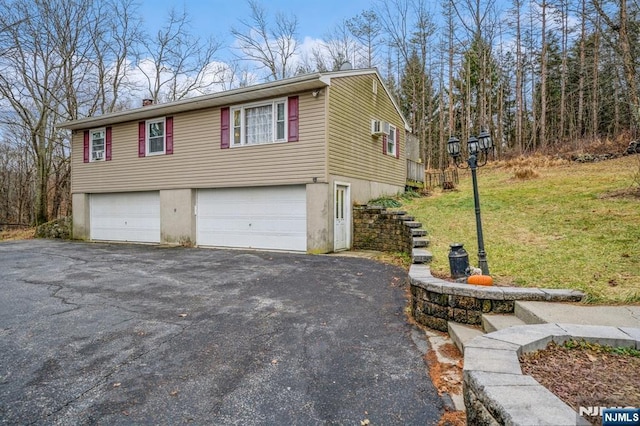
{"type": "Point", "coordinates": [434, 302]}
{"type": "Point", "coordinates": [376, 228]}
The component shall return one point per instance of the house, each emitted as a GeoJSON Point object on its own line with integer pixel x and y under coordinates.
{"type": "Point", "coordinates": [271, 166]}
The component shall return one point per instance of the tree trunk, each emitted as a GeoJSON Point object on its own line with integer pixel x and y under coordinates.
{"type": "Point", "coordinates": [581, 71]}
{"type": "Point", "coordinates": [543, 78]}
{"type": "Point", "coordinates": [519, 78]}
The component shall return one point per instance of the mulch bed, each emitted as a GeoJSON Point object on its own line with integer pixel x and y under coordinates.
{"type": "Point", "coordinates": [584, 374]}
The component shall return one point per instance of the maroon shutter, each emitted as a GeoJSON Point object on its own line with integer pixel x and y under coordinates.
{"type": "Point", "coordinates": [141, 138]}
{"type": "Point", "coordinates": [86, 146]}
{"type": "Point", "coordinates": [225, 134]}
{"type": "Point", "coordinates": [107, 144]}
{"type": "Point", "coordinates": [293, 119]}
{"type": "Point", "coordinates": [169, 138]}
{"type": "Point", "coordinates": [384, 144]}
{"type": "Point", "coordinates": [397, 143]}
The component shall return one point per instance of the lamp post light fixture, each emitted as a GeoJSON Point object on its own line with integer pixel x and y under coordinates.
{"type": "Point", "coordinates": [476, 147]}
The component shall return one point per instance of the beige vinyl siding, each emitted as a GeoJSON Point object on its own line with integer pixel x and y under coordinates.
{"type": "Point", "coordinates": [197, 160]}
{"type": "Point", "coordinates": [353, 152]}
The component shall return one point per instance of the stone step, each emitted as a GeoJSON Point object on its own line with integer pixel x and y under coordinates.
{"type": "Point", "coordinates": [408, 218]}
{"type": "Point", "coordinates": [495, 322]}
{"type": "Point", "coordinates": [419, 255]}
{"type": "Point", "coordinates": [528, 316]}
{"type": "Point", "coordinates": [413, 224]}
{"type": "Point", "coordinates": [420, 242]}
{"type": "Point", "coordinates": [462, 334]}
{"type": "Point", "coordinates": [415, 232]}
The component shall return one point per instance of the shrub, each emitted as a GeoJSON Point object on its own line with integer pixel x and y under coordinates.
{"type": "Point", "coordinates": [525, 173]}
{"type": "Point", "coordinates": [59, 228]}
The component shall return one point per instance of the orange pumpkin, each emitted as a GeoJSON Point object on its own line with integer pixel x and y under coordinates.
{"type": "Point", "coordinates": [480, 280]}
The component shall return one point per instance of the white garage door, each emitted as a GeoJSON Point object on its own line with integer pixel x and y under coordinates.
{"type": "Point", "coordinates": [266, 218]}
{"type": "Point", "coordinates": [131, 216]}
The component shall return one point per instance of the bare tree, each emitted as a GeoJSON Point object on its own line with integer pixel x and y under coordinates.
{"type": "Point", "coordinates": [115, 33]}
{"type": "Point", "coordinates": [340, 47]}
{"type": "Point", "coordinates": [581, 69]}
{"type": "Point", "coordinates": [618, 21]}
{"type": "Point", "coordinates": [31, 76]}
{"type": "Point", "coordinates": [273, 45]}
{"type": "Point", "coordinates": [409, 27]}
{"type": "Point", "coordinates": [366, 29]}
{"type": "Point", "coordinates": [176, 63]}
{"type": "Point", "coordinates": [54, 67]}
{"type": "Point", "coordinates": [517, 8]}
{"type": "Point", "coordinates": [476, 16]}
{"type": "Point", "coordinates": [543, 74]}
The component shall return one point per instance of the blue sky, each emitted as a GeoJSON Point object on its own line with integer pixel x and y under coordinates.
{"type": "Point", "coordinates": [216, 17]}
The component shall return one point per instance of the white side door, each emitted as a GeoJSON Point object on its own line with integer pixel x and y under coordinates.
{"type": "Point", "coordinates": [341, 217]}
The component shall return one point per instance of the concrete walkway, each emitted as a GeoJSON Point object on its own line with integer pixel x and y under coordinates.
{"type": "Point", "coordinates": [495, 390]}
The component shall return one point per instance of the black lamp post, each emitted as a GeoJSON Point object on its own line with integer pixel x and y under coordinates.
{"type": "Point", "coordinates": [476, 146]}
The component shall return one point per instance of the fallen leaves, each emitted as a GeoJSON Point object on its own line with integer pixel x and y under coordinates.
{"type": "Point", "coordinates": [586, 375]}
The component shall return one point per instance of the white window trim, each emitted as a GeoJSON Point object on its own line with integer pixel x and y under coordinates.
{"type": "Point", "coordinates": [392, 131]}
{"type": "Point", "coordinates": [147, 136]}
{"type": "Point", "coordinates": [274, 111]}
{"type": "Point", "coordinates": [104, 144]}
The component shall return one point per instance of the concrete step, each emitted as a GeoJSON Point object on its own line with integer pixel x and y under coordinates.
{"type": "Point", "coordinates": [461, 334]}
{"type": "Point", "coordinates": [533, 312]}
{"type": "Point", "coordinates": [419, 255]}
{"type": "Point", "coordinates": [412, 224]}
{"type": "Point", "coordinates": [495, 322]}
{"type": "Point", "coordinates": [528, 313]}
{"type": "Point", "coordinates": [416, 232]}
{"type": "Point", "coordinates": [420, 242]}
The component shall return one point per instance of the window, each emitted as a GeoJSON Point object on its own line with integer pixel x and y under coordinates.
{"type": "Point", "coordinates": [259, 123]}
{"type": "Point", "coordinates": [97, 144]}
{"type": "Point", "coordinates": [155, 137]}
{"type": "Point", "coordinates": [391, 141]}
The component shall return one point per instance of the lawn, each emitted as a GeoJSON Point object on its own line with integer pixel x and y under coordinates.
{"type": "Point", "coordinates": [569, 227]}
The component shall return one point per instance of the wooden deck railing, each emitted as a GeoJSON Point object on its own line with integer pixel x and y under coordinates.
{"type": "Point", "coordinates": [415, 171]}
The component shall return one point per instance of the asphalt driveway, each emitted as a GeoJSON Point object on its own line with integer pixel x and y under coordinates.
{"type": "Point", "coordinates": [126, 334]}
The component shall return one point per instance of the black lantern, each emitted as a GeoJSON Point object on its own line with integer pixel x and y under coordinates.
{"type": "Point", "coordinates": [453, 147]}
{"type": "Point", "coordinates": [485, 141]}
{"type": "Point", "coordinates": [480, 146]}
{"type": "Point", "coordinates": [472, 145]}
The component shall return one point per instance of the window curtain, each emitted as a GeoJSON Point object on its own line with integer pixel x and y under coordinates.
{"type": "Point", "coordinates": [259, 124]}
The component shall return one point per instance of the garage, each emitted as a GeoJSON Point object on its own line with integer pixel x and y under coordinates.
{"type": "Point", "coordinates": [265, 217]}
{"type": "Point", "coordinates": [133, 216]}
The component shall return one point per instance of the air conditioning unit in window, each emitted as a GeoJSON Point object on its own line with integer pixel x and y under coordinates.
{"type": "Point", "coordinates": [98, 155]}
{"type": "Point", "coordinates": [376, 127]}
{"type": "Point", "coordinates": [385, 127]}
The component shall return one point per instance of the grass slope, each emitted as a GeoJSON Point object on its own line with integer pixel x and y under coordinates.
{"type": "Point", "coordinates": [558, 230]}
